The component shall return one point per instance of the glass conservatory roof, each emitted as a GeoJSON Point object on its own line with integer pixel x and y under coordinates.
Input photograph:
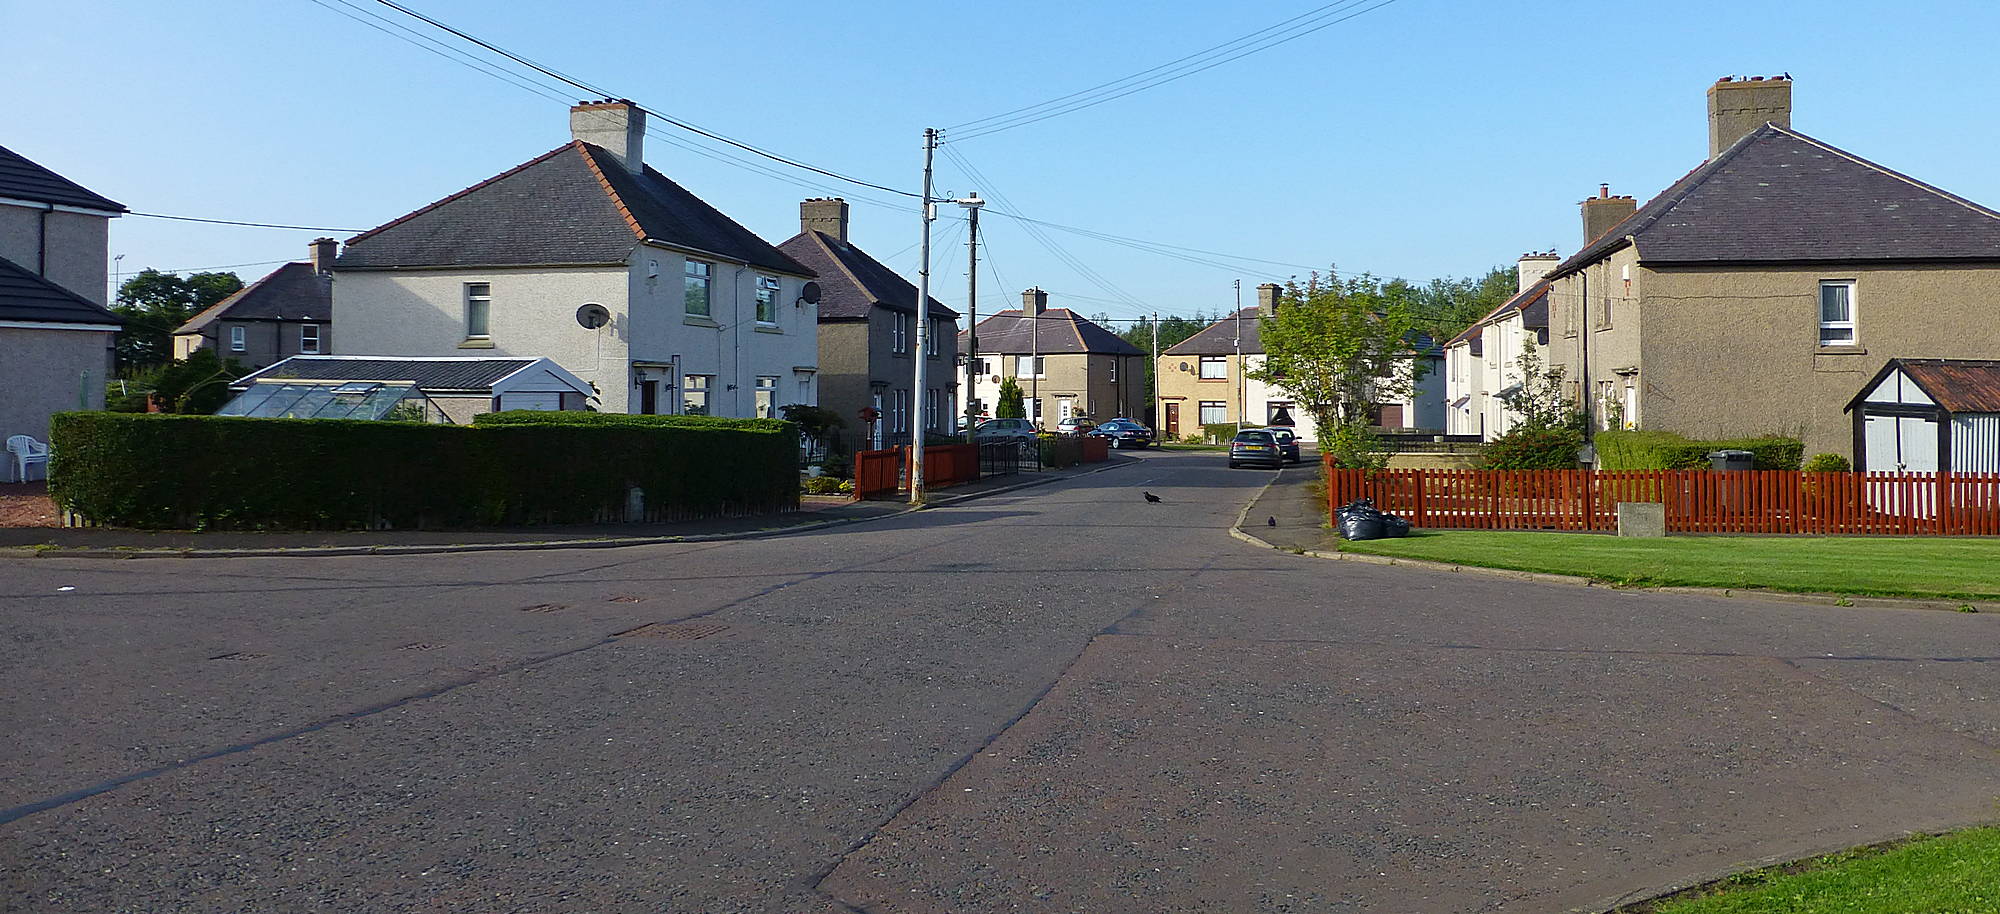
{"type": "Point", "coordinates": [305, 400]}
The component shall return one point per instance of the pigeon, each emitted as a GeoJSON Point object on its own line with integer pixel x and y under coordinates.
{"type": "Point", "coordinates": [1271, 521]}
{"type": "Point", "coordinates": [1155, 499]}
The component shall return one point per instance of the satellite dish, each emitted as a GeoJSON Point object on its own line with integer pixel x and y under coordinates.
{"type": "Point", "coordinates": [809, 293]}
{"type": "Point", "coordinates": [593, 316]}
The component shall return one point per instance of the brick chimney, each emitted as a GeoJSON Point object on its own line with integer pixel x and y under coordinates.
{"type": "Point", "coordinates": [827, 215]}
{"type": "Point", "coordinates": [323, 251]}
{"type": "Point", "coordinates": [1603, 211]}
{"type": "Point", "coordinates": [1533, 266]}
{"type": "Point", "coordinates": [1736, 107]}
{"type": "Point", "coordinates": [1034, 302]}
{"type": "Point", "coordinates": [615, 124]}
{"type": "Point", "coordinates": [1268, 296]}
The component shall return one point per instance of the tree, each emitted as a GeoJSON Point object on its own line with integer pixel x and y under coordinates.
{"type": "Point", "coordinates": [197, 385]}
{"type": "Point", "coordinates": [1446, 306]}
{"type": "Point", "coordinates": [153, 304]}
{"type": "Point", "coordinates": [1011, 405]}
{"type": "Point", "coordinates": [1535, 393]}
{"type": "Point", "coordinates": [1338, 346]}
{"type": "Point", "coordinates": [1174, 330]}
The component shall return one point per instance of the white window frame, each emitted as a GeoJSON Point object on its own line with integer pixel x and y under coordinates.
{"type": "Point", "coordinates": [1221, 364]}
{"type": "Point", "coordinates": [237, 339]}
{"type": "Point", "coordinates": [698, 274]}
{"type": "Point", "coordinates": [899, 410]}
{"type": "Point", "coordinates": [478, 311]}
{"type": "Point", "coordinates": [1114, 369]}
{"type": "Point", "coordinates": [899, 333]}
{"type": "Point", "coordinates": [1038, 363]}
{"type": "Point", "coordinates": [765, 401]}
{"type": "Point", "coordinates": [931, 351]}
{"type": "Point", "coordinates": [1851, 325]}
{"type": "Point", "coordinates": [768, 288]}
{"type": "Point", "coordinates": [1202, 407]}
{"type": "Point", "coordinates": [306, 338]}
{"type": "Point", "coordinates": [933, 398]}
{"type": "Point", "coordinates": [703, 384]}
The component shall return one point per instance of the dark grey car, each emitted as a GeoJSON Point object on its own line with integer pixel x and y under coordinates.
{"type": "Point", "coordinates": [1255, 446]}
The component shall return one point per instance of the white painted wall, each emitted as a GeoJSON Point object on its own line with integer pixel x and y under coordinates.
{"type": "Point", "coordinates": [1480, 378]}
{"type": "Point", "coordinates": [730, 344]}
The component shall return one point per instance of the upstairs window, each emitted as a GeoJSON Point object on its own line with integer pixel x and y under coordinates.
{"type": "Point", "coordinates": [697, 288]}
{"type": "Point", "coordinates": [1114, 368]}
{"type": "Point", "coordinates": [931, 344]}
{"type": "Point", "coordinates": [1214, 368]}
{"type": "Point", "coordinates": [899, 332]}
{"type": "Point", "coordinates": [478, 310]}
{"type": "Point", "coordinates": [1836, 313]}
{"type": "Point", "coordinates": [309, 339]}
{"type": "Point", "coordinates": [1030, 366]}
{"type": "Point", "coordinates": [236, 340]}
{"type": "Point", "coordinates": [767, 300]}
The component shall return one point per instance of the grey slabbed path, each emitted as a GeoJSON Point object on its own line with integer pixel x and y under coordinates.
{"type": "Point", "coordinates": [1060, 699]}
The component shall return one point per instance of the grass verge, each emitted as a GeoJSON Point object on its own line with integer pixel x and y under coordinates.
{"type": "Point", "coordinates": [1927, 567]}
{"type": "Point", "coordinates": [1946, 874]}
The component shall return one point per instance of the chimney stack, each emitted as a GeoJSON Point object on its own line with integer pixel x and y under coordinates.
{"type": "Point", "coordinates": [1268, 295]}
{"type": "Point", "coordinates": [1533, 266]}
{"type": "Point", "coordinates": [1737, 107]}
{"type": "Point", "coordinates": [827, 215]}
{"type": "Point", "coordinates": [1034, 302]}
{"type": "Point", "coordinates": [614, 124]}
{"type": "Point", "coordinates": [1603, 211]}
{"type": "Point", "coordinates": [323, 252]}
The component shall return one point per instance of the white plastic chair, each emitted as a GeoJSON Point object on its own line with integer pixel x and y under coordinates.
{"type": "Point", "coordinates": [27, 452]}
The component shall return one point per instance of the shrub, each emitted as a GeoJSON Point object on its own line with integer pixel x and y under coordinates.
{"type": "Point", "coordinates": [1353, 447]}
{"type": "Point", "coordinates": [1218, 432]}
{"type": "Point", "coordinates": [1827, 463]}
{"type": "Point", "coordinates": [821, 485]}
{"type": "Point", "coordinates": [514, 468]}
{"type": "Point", "coordinates": [1525, 448]}
{"type": "Point", "coordinates": [1652, 450]}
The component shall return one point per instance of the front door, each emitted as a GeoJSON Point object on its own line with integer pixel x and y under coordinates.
{"type": "Point", "coordinates": [649, 397]}
{"type": "Point", "coordinates": [1173, 421]}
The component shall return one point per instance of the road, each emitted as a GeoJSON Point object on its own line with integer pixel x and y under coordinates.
{"type": "Point", "coordinates": [1058, 699]}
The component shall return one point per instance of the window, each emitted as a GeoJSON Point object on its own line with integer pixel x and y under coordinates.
{"type": "Point", "coordinates": [1035, 409]}
{"type": "Point", "coordinates": [236, 342]}
{"type": "Point", "coordinates": [694, 393]}
{"type": "Point", "coordinates": [933, 398]}
{"type": "Point", "coordinates": [767, 397]}
{"type": "Point", "coordinates": [478, 310]}
{"type": "Point", "coordinates": [1114, 369]}
{"type": "Point", "coordinates": [1031, 366]}
{"type": "Point", "coordinates": [899, 410]}
{"type": "Point", "coordinates": [309, 338]}
{"type": "Point", "coordinates": [1214, 367]}
{"type": "Point", "coordinates": [1836, 313]}
{"type": "Point", "coordinates": [697, 288]}
{"type": "Point", "coordinates": [1280, 409]}
{"type": "Point", "coordinates": [899, 332]}
{"type": "Point", "coordinates": [931, 345]}
{"type": "Point", "coordinates": [1214, 412]}
{"type": "Point", "coordinates": [767, 299]}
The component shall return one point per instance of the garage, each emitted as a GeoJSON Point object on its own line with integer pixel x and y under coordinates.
{"type": "Point", "coordinates": [1929, 416]}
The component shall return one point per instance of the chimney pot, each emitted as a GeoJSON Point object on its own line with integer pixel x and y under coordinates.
{"type": "Point", "coordinates": [1603, 211]}
{"type": "Point", "coordinates": [824, 214]}
{"type": "Point", "coordinates": [617, 126]}
{"type": "Point", "coordinates": [323, 251]}
{"type": "Point", "coordinates": [1736, 108]}
{"type": "Point", "coordinates": [1034, 301]}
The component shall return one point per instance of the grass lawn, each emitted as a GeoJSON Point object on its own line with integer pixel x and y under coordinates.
{"type": "Point", "coordinates": [1953, 874]}
{"type": "Point", "coordinates": [1937, 567]}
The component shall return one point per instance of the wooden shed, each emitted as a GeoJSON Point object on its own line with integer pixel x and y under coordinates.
{"type": "Point", "coordinates": [1929, 416]}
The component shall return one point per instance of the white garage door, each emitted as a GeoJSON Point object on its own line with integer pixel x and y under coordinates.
{"type": "Point", "coordinates": [531, 401]}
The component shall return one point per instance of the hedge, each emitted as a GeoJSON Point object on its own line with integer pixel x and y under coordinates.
{"type": "Point", "coordinates": [232, 472]}
{"type": "Point", "coordinates": [1645, 450]}
{"type": "Point", "coordinates": [1533, 449]}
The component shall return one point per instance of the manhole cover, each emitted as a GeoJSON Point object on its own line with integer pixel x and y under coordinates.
{"type": "Point", "coordinates": [626, 598]}
{"type": "Point", "coordinates": [239, 656]}
{"type": "Point", "coordinates": [420, 646]}
{"type": "Point", "coordinates": [683, 631]}
{"type": "Point", "coordinates": [543, 608]}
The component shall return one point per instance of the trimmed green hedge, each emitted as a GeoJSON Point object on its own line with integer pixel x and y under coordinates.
{"type": "Point", "coordinates": [1220, 432]}
{"type": "Point", "coordinates": [1643, 450]}
{"type": "Point", "coordinates": [1533, 449]}
{"type": "Point", "coordinates": [230, 472]}
{"type": "Point", "coordinates": [577, 417]}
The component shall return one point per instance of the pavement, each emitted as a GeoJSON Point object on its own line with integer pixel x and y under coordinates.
{"type": "Point", "coordinates": [1060, 698]}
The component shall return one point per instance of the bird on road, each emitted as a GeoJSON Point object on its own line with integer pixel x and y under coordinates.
{"type": "Point", "coordinates": [1271, 521]}
{"type": "Point", "coordinates": [1155, 499]}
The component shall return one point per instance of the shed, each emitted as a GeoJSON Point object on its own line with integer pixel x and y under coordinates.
{"type": "Point", "coordinates": [1929, 416]}
{"type": "Point", "coordinates": [460, 387]}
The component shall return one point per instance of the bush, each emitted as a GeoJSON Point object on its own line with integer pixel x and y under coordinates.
{"type": "Point", "coordinates": [1648, 450]}
{"type": "Point", "coordinates": [822, 485]}
{"type": "Point", "coordinates": [1353, 447]}
{"type": "Point", "coordinates": [510, 468]}
{"type": "Point", "coordinates": [1218, 432]}
{"type": "Point", "coordinates": [1533, 449]}
{"type": "Point", "coordinates": [1828, 463]}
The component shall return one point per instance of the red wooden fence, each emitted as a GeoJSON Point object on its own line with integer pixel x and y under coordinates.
{"type": "Point", "coordinates": [885, 471]}
{"type": "Point", "coordinates": [877, 472]}
{"type": "Point", "coordinates": [1697, 501]}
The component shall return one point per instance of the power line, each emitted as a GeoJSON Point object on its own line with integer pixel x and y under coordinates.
{"type": "Point", "coordinates": [269, 225]}
{"type": "Point", "coordinates": [1089, 275]}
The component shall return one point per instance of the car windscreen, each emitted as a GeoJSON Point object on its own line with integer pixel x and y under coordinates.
{"type": "Point", "coordinates": [1255, 437]}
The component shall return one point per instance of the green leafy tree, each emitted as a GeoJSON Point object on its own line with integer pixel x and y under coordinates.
{"type": "Point", "coordinates": [153, 304]}
{"type": "Point", "coordinates": [1011, 405]}
{"type": "Point", "coordinates": [1446, 306]}
{"type": "Point", "coordinates": [1337, 346]}
{"type": "Point", "coordinates": [1174, 330]}
{"type": "Point", "coordinates": [197, 385]}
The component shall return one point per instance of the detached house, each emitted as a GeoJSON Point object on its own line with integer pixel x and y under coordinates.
{"type": "Point", "coordinates": [588, 257]}
{"type": "Point", "coordinates": [1065, 364]}
{"type": "Point", "coordinates": [287, 313]}
{"type": "Point", "coordinates": [1482, 365]}
{"type": "Point", "coordinates": [56, 335]}
{"type": "Point", "coordinates": [1763, 290]}
{"type": "Point", "coordinates": [867, 333]}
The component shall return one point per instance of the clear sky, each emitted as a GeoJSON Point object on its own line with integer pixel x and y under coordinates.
{"type": "Point", "coordinates": [1426, 138]}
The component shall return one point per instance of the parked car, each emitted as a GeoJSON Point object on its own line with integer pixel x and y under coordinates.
{"type": "Point", "coordinates": [1124, 433]}
{"type": "Point", "coordinates": [1020, 430]}
{"type": "Point", "coordinates": [1288, 442]}
{"type": "Point", "coordinates": [1074, 425]}
{"type": "Point", "coordinates": [1255, 445]}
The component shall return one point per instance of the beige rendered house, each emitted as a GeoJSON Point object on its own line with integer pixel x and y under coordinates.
{"type": "Point", "coordinates": [1482, 365]}
{"type": "Point", "coordinates": [1065, 364]}
{"type": "Point", "coordinates": [1762, 291]}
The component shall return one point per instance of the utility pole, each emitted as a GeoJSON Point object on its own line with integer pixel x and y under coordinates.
{"type": "Point", "coordinates": [972, 205]}
{"type": "Point", "coordinates": [1239, 355]}
{"type": "Point", "coordinates": [1153, 371]}
{"type": "Point", "coordinates": [918, 395]}
{"type": "Point", "coordinates": [1034, 359]}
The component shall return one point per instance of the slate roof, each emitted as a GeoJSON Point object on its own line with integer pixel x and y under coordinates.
{"type": "Point", "coordinates": [1958, 385]}
{"type": "Point", "coordinates": [1533, 303]}
{"type": "Point", "coordinates": [293, 292]}
{"type": "Point", "coordinates": [851, 282]}
{"type": "Point", "coordinates": [572, 205]}
{"type": "Point", "coordinates": [1779, 196]}
{"type": "Point", "coordinates": [1061, 331]}
{"type": "Point", "coordinates": [25, 296]}
{"type": "Point", "coordinates": [1218, 338]}
{"type": "Point", "coordinates": [427, 374]}
{"type": "Point", "coordinates": [24, 180]}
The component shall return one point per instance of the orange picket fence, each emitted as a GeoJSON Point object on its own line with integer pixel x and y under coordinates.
{"type": "Point", "coordinates": [886, 471]}
{"type": "Point", "coordinates": [1697, 501]}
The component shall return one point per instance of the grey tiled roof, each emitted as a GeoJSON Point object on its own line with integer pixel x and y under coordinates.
{"type": "Point", "coordinates": [25, 296]}
{"type": "Point", "coordinates": [851, 282]}
{"type": "Point", "coordinates": [1959, 385]}
{"type": "Point", "coordinates": [427, 374]}
{"type": "Point", "coordinates": [1780, 196]}
{"type": "Point", "coordinates": [1059, 331]}
{"type": "Point", "coordinates": [24, 180]}
{"type": "Point", "coordinates": [573, 205]}
{"type": "Point", "coordinates": [293, 292]}
{"type": "Point", "coordinates": [1532, 303]}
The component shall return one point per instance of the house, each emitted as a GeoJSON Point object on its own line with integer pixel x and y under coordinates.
{"type": "Point", "coordinates": [1929, 416]}
{"type": "Point", "coordinates": [287, 313]}
{"type": "Point", "coordinates": [1204, 381]}
{"type": "Point", "coordinates": [867, 331]}
{"type": "Point", "coordinates": [1058, 358]}
{"type": "Point", "coordinates": [586, 256]}
{"type": "Point", "coordinates": [56, 335]}
{"type": "Point", "coordinates": [1760, 291]}
{"type": "Point", "coordinates": [310, 386]}
{"type": "Point", "coordinates": [1482, 364]}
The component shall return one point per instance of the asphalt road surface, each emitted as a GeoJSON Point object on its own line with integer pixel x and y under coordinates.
{"type": "Point", "coordinates": [1059, 699]}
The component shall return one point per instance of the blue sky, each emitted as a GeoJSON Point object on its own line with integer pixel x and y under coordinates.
{"type": "Point", "coordinates": [1427, 138]}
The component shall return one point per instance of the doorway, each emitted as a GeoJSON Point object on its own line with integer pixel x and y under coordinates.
{"type": "Point", "coordinates": [1173, 421]}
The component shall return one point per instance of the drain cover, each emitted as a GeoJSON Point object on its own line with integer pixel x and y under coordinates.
{"type": "Point", "coordinates": [684, 631]}
{"type": "Point", "coordinates": [543, 608]}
